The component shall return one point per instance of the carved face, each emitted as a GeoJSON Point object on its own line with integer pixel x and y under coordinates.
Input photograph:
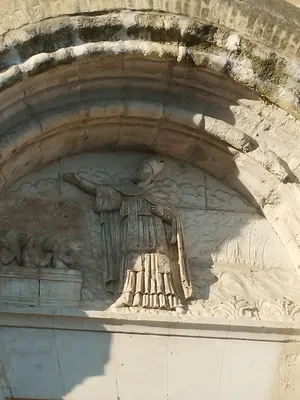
{"type": "Point", "coordinates": [4, 243]}
{"type": "Point", "coordinates": [148, 169]}
{"type": "Point", "coordinates": [49, 245]}
{"type": "Point", "coordinates": [26, 238]}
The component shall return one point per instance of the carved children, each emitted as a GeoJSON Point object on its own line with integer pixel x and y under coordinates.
{"type": "Point", "coordinates": [28, 252]}
{"type": "Point", "coordinates": [49, 256]}
{"type": "Point", "coordinates": [30, 257]}
{"type": "Point", "coordinates": [65, 260]}
{"type": "Point", "coordinates": [8, 256]}
{"type": "Point", "coordinates": [54, 257]}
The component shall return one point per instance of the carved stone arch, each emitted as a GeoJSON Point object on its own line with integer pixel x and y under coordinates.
{"type": "Point", "coordinates": [123, 101]}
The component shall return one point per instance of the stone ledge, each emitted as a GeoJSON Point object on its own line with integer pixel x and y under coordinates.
{"type": "Point", "coordinates": [165, 325]}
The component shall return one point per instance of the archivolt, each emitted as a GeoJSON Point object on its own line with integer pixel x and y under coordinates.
{"type": "Point", "coordinates": [159, 83]}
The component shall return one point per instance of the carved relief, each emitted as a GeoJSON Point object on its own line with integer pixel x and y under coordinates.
{"type": "Point", "coordinates": [30, 254]}
{"type": "Point", "coordinates": [235, 308]}
{"type": "Point", "coordinates": [131, 232]}
{"type": "Point", "coordinates": [186, 186]}
{"type": "Point", "coordinates": [239, 308]}
{"type": "Point", "coordinates": [55, 256]}
{"type": "Point", "coordinates": [142, 240]}
{"type": "Point", "coordinates": [37, 272]}
{"type": "Point", "coordinates": [27, 252]}
{"type": "Point", "coordinates": [8, 254]}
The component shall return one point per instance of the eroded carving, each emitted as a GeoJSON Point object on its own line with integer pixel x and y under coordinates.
{"type": "Point", "coordinates": [8, 254]}
{"type": "Point", "coordinates": [239, 308]}
{"type": "Point", "coordinates": [27, 252]}
{"type": "Point", "coordinates": [37, 272]}
{"type": "Point", "coordinates": [55, 256]}
{"type": "Point", "coordinates": [30, 254]}
{"type": "Point", "coordinates": [142, 240]}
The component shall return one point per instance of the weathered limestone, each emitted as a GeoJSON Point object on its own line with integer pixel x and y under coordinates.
{"type": "Point", "coordinates": [113, 355]}
{"type": "Point", "coordinates": [207, 230]}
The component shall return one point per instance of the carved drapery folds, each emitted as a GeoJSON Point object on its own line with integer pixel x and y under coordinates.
{"type": "Point", "coordinates": [142, 240]}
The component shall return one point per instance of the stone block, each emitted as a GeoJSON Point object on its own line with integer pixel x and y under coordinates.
{"type": "Point", "coordinates": [32, 286]}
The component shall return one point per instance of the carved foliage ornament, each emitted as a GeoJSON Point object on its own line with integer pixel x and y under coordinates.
{"type": "Point", "coordinates": [283, 310]}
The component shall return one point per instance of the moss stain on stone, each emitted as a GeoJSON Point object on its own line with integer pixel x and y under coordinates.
{"type": "Point", "coordinates": [269, 69]}
{"type": "Point", "coordinates": [264, 91]}
{"type": "Point", "coordinates": [155, 34]}
{"type": "Point", "coordinates": [99, 33]}
{"type": "Point", "coordinates": [45, 43]}
{"type": "Point", "coordinates": [3, 56]}
{"type": "Point", "coordinates": [200, 36]}
{"type": "Point", "coordinates": [195, 59]}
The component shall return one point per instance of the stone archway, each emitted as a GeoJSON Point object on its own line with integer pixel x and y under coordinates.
{"type": "Point", "coordinates": [184, 66]}
{"type": "Point", "coordinates": [213, 84]}
{"type": "Point", "coordinates": [100, 103]}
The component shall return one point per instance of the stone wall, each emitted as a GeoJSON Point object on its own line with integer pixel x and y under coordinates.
{"type": "Point", "coordinates": [53, 358]}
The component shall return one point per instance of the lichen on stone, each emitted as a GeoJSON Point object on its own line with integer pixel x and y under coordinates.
{"type": "Point", "coordinates": [154, 34]}
{"type": "Point", "coordinates": [269, 69]}
{"type": "Point", "coordinates": [200, 36]}
{"type": "Point", "coordinates": [99, 33]}
{"type": "Point", "coordinates": [45, 42]}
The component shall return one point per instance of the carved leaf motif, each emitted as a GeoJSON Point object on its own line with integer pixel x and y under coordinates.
{"type": "Point", "coordinates": [200, 307]}
{"type": "Point", "coordinates": [282, 309]}
{"type": "Point", "coordinates": [238, 308]}
{"type": "Point", "coordinates": [235, 308]}
{"type": "Point", "coordinates": [295, 312]}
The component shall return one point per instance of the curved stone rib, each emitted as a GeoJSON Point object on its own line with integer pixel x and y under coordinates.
{"type": "Point", "coordinates": [187, 41]}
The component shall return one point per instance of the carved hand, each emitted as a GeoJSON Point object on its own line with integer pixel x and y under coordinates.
{"type": "Point", "coordinates": [157, 210]}
{"type": "Point", "coordinates": [70, 177]}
